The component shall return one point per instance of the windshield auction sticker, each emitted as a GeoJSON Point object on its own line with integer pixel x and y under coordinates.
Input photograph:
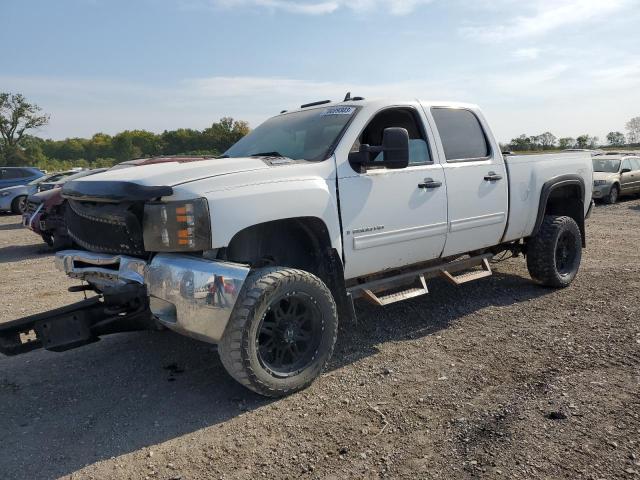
{"type": "Point", "coordinates": [338, 111]}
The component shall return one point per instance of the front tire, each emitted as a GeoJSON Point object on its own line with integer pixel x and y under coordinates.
{"type": "Point", "coordinates": [281, 332]}
{"type": "Point", "coordinates": [19, 205]}
{"type": "Point", "coordinates": [554, 254]}
{"type": "Point", "coordinates": [614, 195]}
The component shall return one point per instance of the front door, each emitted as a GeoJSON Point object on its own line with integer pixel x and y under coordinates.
{"type": "Point", "coordinates": [477, 183]}
{"type": "Point", "coordinates": [393, 218]}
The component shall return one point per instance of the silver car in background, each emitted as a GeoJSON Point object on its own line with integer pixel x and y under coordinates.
{"type": "Point", "coordinates": [14, 199]}
{"type": "Point", "coordinates": [615, 176]}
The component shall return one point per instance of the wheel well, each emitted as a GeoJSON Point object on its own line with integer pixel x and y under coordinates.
{"type": "Point", "coordinates": [302, 243]}
{"type": "Point", "coordinates": [566, 200]}
{"type": "Point", "coordinates": [292, 242]}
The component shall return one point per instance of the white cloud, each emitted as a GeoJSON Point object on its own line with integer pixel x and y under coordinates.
{"type": "Point", "coordinates": [527, 53]}
{"type": "Point", "coordinates": [321, 7]}
{"type": "Point", "coordinates": [543, 16]}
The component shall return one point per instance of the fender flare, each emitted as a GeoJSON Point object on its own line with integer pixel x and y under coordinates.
{"type": "Point", "coordinates": [554, 184]}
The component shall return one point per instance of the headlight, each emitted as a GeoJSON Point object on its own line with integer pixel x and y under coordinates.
{"type": "Point", "coordinates": [177, 226]}
{"type": "Point", "coordinates": [5, 194]}
{"type": "Point", "coordinates": [597, 183]}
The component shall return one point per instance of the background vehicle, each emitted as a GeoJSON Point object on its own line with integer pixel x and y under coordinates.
{"type": "Point", "coordinates": [45, 212]}
{"type": "Point", "coordinates": [14, 199]}
{"type": "Point", "coordinates": [58, 180]}
{"type": "Point", "coordinates": [262, 250]}
{"type": "Point", "coordinates": [615, 175]}
{"type": "Point", "coordinates": [12, 176]}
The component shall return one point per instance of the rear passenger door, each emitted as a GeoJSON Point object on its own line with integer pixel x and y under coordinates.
{"type": "Point", "coordinates": [477, 183]}
{"type": "Point", "coordinates": [635, 174]}
{"type": "Point", "coordinates": [628, 180]}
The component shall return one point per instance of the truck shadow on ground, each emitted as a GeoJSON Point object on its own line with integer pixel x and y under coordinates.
{"type": "Point", "coordinates": [16, 253]}
{"type": "Point", "coordinates": [62, 411]}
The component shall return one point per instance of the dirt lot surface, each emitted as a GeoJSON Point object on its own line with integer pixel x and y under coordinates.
{"type": "Point", "coordinates": [496, 379]}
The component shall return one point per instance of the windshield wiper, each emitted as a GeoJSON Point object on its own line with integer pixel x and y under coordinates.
{"type": "Point", "coordinates": [268, 154]}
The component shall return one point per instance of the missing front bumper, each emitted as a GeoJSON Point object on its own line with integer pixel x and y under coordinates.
{"type": "Point", "coordinates": [190, 295]}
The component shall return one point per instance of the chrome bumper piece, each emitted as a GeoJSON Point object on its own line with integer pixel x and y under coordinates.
{"type": "Point", "coordinates": [190, 295]}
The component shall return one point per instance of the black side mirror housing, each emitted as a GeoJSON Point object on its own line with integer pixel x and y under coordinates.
{"type": "Point", "coordinates": [625, 170]}
{"type": "Point", "coordinates": [395, 147]}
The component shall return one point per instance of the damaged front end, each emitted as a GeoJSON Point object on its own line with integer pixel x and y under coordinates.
{"type": "Point", "coordinates": [191, 295]}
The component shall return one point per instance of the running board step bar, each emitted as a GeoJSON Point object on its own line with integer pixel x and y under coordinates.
{"type": "Point", "coordinates": [397, 296]}
{"type": "Point", "coordinates": [469, 276]}
{"type": "Point", "coordinates": [371, 290]}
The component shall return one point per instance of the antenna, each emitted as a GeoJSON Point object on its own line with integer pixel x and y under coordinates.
{"type": "Point", "coordinates": [347, 97]}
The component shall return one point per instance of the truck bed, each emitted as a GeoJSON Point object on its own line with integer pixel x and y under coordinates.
{"type": "Point", "coordinates": [527, 175]}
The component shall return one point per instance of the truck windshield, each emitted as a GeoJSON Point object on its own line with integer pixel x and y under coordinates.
{"type": "Point", "coordinates": [305, 135]}
{"type": "Point", "coordinates": [608, 166]}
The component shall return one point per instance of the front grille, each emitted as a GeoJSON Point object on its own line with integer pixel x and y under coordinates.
{"type": "Point", "coordinates": [32, 206]}
{"type": "Point", "coordinates": [106, 227]}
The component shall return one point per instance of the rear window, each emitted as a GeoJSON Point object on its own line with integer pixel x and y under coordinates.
{"type": "Point", "coordinates": [461, 133]}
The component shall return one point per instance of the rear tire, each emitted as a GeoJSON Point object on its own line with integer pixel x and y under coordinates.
{"type": "Point", "coordinates": [554, 254]}
{"type": "Point", "coordinates": [614, 195]}
{"type": "Point", "coordinates": [19, 205]}
{"type": "Point", "coordinates": [281, 332]}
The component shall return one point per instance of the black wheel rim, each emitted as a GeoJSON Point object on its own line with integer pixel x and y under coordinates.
{"type": "Point", "coordinates": [566, 254]}
{"type": "Point", "coordinates": [289, 334]}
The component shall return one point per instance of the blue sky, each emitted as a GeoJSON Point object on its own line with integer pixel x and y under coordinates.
{"type": "Point", "coordinates": [568, 66]}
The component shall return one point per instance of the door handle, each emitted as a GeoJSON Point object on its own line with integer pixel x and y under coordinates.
{"type": "Point", "coordinates": [492, 177]}
{"type": "Point", "coordinates": [430, 183]}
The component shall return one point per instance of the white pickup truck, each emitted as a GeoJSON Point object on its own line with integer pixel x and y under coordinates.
{"type": "Point", "coordinates": [262, 250]}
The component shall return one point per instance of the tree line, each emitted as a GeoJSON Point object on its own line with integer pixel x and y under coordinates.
{"type": "Point", "coordinates": [548, 141]}
{"type": "Point", "coordinates": [17, 147]}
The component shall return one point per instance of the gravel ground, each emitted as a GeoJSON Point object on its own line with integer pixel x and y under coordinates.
{"type": "Point", "coordinates": [496, 379]}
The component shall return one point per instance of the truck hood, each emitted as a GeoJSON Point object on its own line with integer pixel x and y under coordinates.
{"type": "Point", "coordinates": [610, 177]}
{"type": "Point", "coordinates": [175, 173]}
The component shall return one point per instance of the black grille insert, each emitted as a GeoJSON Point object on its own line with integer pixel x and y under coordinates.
{"type": "Point", "coordinates": [106, 227]}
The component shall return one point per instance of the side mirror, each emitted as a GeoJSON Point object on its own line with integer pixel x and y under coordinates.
{"type": "Point", "coordinates": [625, 170]}
{"type": "Point", "coordinates": [395, 148]}
{"type": "Point", "coordinates": [395, 145]}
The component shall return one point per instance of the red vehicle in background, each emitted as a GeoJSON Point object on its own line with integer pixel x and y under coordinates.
{"type": "Point", "coordinates": [45, 216]}
{"type": "Point", "coordinates": [45, 212]}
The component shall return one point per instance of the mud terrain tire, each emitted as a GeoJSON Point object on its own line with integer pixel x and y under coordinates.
{"type": "Point", "coordinates": [281, 332]}
{"type": "Point", "coordinates": [554, 254]}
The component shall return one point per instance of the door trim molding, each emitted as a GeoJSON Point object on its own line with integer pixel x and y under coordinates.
{"type": "Point", "coordinates": [362, 242]}
{"type": "Point", "coordinates": [475, 222]}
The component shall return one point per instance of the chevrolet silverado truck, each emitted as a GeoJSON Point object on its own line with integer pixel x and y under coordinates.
{"type": "Point", "coordinates": [262, 250]}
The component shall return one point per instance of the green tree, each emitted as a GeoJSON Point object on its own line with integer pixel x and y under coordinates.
{"type": "Point", "coordinates": [17, 116]}
{"type": "Point", "coordinates": [521, 143]}
{"type": "Point", "coordinates": [122, 147]}
{"type": "Point", "coordinates": [547, 140]}
{"type": "Point", "coordinates": [585, 141]}
{"type": "Point", "coordinates": [616, 139]}
{"type": "Point", "coordinates": [566, 142]}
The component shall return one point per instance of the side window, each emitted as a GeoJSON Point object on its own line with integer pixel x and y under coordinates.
{"type": "Point", "coordinates": [626, 164]}
{"type": "Point", "coordinates": [397, 117]}
{"type": "Point", "coordinates": [635, 164]}
{"type": "Point", "coordinates": [11, 174]}
{"type": "Point", "coordinates": [461, 133]}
